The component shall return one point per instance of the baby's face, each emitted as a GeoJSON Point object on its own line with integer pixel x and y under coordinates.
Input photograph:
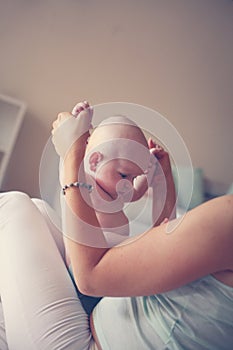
{"type": "Point", "coordinates": [116, 177]}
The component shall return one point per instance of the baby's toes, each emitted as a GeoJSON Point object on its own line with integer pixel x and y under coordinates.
{"type": "Point", "coordinates": [79, 107]}
{"type": "Point", "coordinates": [158, 148]}
{"type": "Point", "coordinates": [86, 104]}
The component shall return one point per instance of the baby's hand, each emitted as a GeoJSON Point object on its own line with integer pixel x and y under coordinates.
{"type": "Point", "coordinates": [69, 127]}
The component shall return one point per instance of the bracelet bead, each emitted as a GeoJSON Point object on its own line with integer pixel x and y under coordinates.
{"type": "Point", "coordinates": [77, 184]}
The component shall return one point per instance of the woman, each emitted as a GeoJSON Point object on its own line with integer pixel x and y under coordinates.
{"type": "Point", "coordinates": [162, 291]}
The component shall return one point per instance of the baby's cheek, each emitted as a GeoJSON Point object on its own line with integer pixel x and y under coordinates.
{"type": "Point", "coordinates": [107, 183]}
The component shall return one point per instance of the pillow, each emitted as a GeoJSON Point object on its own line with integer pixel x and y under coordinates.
{"type": "Point", "coordinates": [197, 196]}
{"type": "Point", "coordinates": [230, 189]}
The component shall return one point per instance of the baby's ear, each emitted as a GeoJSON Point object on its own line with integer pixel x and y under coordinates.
{"type": "Point", "coordinates": [94, 160]}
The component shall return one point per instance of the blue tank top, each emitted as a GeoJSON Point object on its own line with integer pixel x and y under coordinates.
{"type": "Point", "coordinates": [196, 316]}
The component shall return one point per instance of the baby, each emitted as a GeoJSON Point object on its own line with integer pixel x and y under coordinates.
{"type": "Point", "coordinates": [118, 164]}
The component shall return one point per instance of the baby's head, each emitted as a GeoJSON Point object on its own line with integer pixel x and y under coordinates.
{"type": "Point", "coordinates": [117, 151]}
{"type": "Point", "coordinates": [117, 126]}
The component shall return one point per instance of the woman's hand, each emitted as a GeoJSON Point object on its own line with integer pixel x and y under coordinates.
{"type": "Point", "coordinates": [71, 130]}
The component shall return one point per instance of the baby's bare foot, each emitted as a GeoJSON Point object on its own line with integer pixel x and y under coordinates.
{"type": "Point", "coordinates": [79, 107]}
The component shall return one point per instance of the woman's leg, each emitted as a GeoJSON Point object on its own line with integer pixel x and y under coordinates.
{"type": "Point", "coordinates": [40, 305]}
{"type": "Point", "coordinates": [3, 344]}
{"type": "Point", "coordinates": [54, 224]}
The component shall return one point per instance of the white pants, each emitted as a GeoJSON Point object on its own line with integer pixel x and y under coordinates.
{"type": "Point", "coordinates": [39, 307]}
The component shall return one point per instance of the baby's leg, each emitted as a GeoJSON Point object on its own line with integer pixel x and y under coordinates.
{"type": "Point", "coordinates": [40, 305]}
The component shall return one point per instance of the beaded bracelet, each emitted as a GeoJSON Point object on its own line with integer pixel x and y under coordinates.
{"type": "Point", "coordinates": [77, 184]}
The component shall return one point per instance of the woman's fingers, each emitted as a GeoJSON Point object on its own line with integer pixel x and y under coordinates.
{"type": "Point", "coordinates": [165, 221]}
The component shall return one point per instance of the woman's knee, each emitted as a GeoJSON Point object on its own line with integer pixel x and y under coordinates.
{"type": "Point", "coordinates": [14, 196]}
{"type": "Point", "coordinates": [13, 199]}
{"type": "Point", "coordinates": [15, 205]}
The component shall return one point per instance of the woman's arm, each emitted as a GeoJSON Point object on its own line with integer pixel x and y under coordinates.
{"type": "Point", "coordinates": [155, 261]}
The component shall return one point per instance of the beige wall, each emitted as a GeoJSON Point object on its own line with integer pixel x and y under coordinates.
{"type": "Point", "coordinates": [173, 56]}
